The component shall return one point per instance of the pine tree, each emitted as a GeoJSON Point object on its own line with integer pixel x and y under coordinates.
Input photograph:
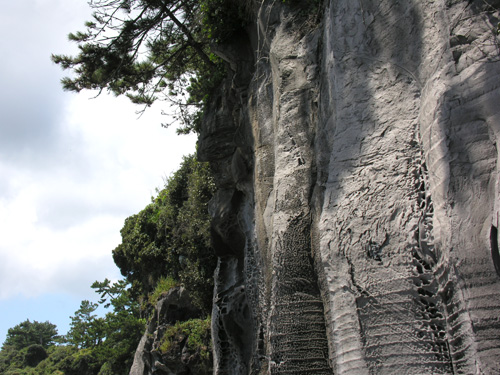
{"type": "Point", "coordinates": [145, 49]}
{"type": "Point", "coordinates": [31, 333]}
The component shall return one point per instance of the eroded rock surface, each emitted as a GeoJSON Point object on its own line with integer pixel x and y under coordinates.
{"type": "Point", "coordinates": [356, 221]}
{"type": "Point", "coordinates": [173, 307]}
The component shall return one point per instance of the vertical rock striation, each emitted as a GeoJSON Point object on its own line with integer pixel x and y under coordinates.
{"type": "Point", "coordinates": [357, 216]}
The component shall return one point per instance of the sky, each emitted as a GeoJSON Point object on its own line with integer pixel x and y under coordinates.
{"type": "Point", "coordinates": [72, 168]}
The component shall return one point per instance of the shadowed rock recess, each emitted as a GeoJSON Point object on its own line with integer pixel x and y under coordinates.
{"type": "Point", "coordinates": [356, 221]}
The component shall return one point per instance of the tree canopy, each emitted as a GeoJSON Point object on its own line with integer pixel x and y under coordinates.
{"type": "Point", "coordinates": [26, 344]}
{"type": "Point", "coordinates": [110, 340]}
{"type": "Point", "coordinates": [94, 345]}
{"type": "Point", "coordinates": [31, 333]}
{"type": "Point", "coordinates": [150, 48]}
{"type": "Point", "coordinates": [87, 330]}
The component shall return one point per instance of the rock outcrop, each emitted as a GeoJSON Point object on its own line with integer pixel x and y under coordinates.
{"type": "Point", "coordinates": [358, 205]}
{"type": "Point", "coordinates": [151, 358]}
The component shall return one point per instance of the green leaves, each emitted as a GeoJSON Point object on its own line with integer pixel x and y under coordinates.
{"type": "Point", "coordinates": [197, 337]}
{"type": "Point", "coordinates": [26, 346]}
{"type": "Point", "coordinates": [170, 238]}
{"type": "Point", "coordinates": [35, 354]}
{"type": "Point", "coordinates": [30, 333]}
{"type": "Point", "coordinates": [95, 345]}
{"type": "Point", "coordinates": [86, 329]}
{"type": "Point", "coordinates": [164, 245]}
{"type": "Point", "coordinates": [162, 286]}
{"type": "Point", "coordinates": [79, 36]}
{"type": "Point", "coordinates": [116, 292]}
{"type": "Point", "coordinates": [138, 47]}
{"type": "Point", "coordinates": [108, 342]}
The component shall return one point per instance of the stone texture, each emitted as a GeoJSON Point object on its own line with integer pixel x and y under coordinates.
{"type": "Point", "coordinates": [356, 225]}
{"type": "Point", "coordinates": [173, 306]}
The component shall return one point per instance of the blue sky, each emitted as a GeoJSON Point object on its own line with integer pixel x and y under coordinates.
{"type": "Point", "coordinates": [72, 168]}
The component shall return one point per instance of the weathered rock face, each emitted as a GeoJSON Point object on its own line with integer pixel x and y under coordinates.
{"type": "Point", "coordinates": [356, 221]}
{"type": "Point", "coordinates": [149, 359]}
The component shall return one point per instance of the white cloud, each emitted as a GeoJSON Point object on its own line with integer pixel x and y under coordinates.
{"type": "Point", "coordinates": [72, 168]}
{"type": "Point", "coordinates": [60, 223]}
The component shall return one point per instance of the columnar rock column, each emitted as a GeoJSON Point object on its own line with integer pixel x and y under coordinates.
{"type": "Point", "coordinates": [296, 327]}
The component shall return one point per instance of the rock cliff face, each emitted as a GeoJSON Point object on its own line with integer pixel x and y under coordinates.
{"type": "Point", "coordinates": [358, 205]}
{"type": "Point", "coordinates": [180, 359]}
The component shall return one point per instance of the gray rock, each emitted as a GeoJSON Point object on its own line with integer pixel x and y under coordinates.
{"type": "Point", "coordinates": [173, 306]}
{"type": "Point", "coordinates": [356, 224]}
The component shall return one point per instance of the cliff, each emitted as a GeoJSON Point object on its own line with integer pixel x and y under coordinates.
{"type": "Point", "coordinates": [357, 211]}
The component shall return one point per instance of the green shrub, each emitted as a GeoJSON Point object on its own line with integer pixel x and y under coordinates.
{"type": "Point", "coordinates": [35, 354]}
{"type": "Point", "coordinates": [197, 332]}
{"type": "Point", "coordinates": [171, 238]}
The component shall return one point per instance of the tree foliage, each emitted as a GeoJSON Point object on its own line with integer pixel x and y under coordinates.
{"type": "Point", "coordinates": [146, 49]}
{"type": "Point", "coordinates": [95, 345]}
{"type": "Point", "coordinates": [171, 236]}
{"type": "Point", "coordinates": [30, 333]}
{"type": "Point", "coordinates": [35, 354]}
{"type": "Point", "coordinates": [86, 329]}
{"type": "Point", "coordinates": [112, 339]}
{"type": "Point", "coordinates": [194, 337]}
{"type": "Point", "coordinates": [26, 345]}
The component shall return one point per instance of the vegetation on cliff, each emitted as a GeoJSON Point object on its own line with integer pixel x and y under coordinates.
{"type": "Point", "coordinates": [193, 338]}
{"type": "Point", "coordinates": [146, 50]}
{"type": "Point", "coordinates": [171, 237]}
